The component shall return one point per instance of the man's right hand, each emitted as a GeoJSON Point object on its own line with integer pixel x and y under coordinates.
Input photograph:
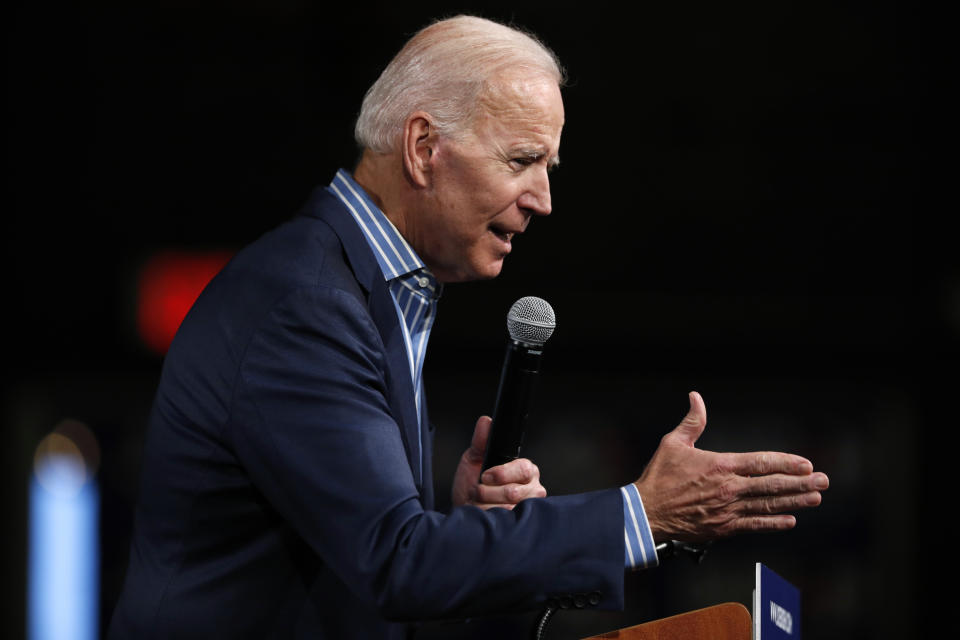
{"type": "Point", "coordinates": [505, 485]}
{"type": "Point", "coordinates": [691, 494]}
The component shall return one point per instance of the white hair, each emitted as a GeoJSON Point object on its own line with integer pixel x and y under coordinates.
{"type": "Point", "coordinates": [445, 70]}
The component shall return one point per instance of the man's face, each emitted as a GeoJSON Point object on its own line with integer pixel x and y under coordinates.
{"type": "Point", "coordinates": [489, 183]}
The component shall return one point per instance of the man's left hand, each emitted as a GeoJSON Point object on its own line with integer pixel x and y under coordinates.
{"type": "Point", "coordinates": [501, 486]}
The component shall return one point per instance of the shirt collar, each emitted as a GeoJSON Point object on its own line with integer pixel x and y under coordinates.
{"type": "Point", "coordinates": [394, 254]}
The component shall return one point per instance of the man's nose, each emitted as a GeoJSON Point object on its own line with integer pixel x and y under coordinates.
{"type": "Point", "coordinates": [536, 198]}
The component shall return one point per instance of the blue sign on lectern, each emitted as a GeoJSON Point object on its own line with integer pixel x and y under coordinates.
{"type": "Point", "coordinates": [776, 607]}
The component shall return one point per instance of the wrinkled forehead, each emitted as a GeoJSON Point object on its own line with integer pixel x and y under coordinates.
{"type": "Point", "coordinates": [521, 93]}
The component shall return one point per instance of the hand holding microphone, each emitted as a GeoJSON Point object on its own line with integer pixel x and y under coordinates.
{"type": "Point", "coordinates": [530, 322]}
{"type": "Point", "coordinates": [494, 451]}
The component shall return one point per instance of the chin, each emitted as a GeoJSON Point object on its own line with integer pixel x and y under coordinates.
{"type": "Point", "coordinates": [478, 272]}
{"type": "Point", "coordinates": [491, 271]}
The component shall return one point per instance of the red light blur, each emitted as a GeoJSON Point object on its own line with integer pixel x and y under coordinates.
{"type": "Point", "coordinates": [169, 284]}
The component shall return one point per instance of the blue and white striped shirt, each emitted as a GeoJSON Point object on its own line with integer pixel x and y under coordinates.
{"type": "Point", "coordinates": [415, 291]}
{"type": "Point", "coordinates": [641, 551]}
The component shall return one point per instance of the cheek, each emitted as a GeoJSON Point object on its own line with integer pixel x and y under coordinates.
{"type": "Point", "coordinates": [467, 218]}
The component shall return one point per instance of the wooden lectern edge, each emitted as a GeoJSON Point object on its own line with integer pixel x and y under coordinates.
{"type": "Point", "coordinates": [728, 621]}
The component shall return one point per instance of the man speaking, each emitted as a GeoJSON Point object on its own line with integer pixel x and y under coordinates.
{"type": "Point", "coordinates": [287, 485]}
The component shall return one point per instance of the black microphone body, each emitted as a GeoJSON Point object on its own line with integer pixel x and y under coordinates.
{"type": "Point", "coordinates": [521, 367]}
{"type": "Point", "coordinates": [530, 322]}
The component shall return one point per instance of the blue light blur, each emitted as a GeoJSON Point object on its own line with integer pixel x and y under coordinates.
{"type": "Point", "coordinates": [63, 564]}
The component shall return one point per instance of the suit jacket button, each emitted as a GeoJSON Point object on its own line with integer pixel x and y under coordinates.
{"type": "Point", "coordinates": [594, 598]}
{"type": "Point", "coordinates": [579, 601]}
{"type": "Point", "coordinates": [566, 602]}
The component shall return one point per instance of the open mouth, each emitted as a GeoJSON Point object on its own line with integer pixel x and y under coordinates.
{"type": "Point", "coordinates": [502, 233]}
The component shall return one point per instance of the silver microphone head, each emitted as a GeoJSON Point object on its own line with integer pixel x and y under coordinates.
{"type": "Point", "coordinates": [531, 320]}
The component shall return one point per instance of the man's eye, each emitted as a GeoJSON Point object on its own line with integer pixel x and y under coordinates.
{"type": "Point", "coordinates": [521, 162]}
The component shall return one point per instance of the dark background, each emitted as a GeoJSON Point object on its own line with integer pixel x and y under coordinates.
{"type": "Point", "coordinates": [741, 209]}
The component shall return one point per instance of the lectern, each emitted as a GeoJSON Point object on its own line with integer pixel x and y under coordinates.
{"type": "Point", "coordinates": [729, 621]}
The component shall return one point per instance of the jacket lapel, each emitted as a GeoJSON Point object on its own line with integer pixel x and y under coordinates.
{"type": "Point", "coordinates": [383, 311]}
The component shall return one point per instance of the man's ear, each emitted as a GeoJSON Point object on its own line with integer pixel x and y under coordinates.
{"type": "Point", "coordinates": [418, 147]}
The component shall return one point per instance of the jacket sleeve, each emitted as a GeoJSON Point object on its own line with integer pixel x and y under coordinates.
{"type": "Point", "coordinates": [311, 424]}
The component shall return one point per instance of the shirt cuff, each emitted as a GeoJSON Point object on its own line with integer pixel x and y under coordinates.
{"type": "Point", "coordinates": [641, 552]}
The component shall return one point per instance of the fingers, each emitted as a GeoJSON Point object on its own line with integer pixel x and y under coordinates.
{"type": "Point", "coordinates": [760, 463]}
{"type": "Point", "coordinates": [478, 444]}
{"type": "Point", "coordinates": [760, 516]}
{"type": "Point", "coordinates": [501, 486]}
{"type": "Point", "coordinates": [769, 505]}
{"type": "Point", "coordinates": [694, 422]}
{"type": "Point", "coordinates": [508, 484]}
{"type": "Point", "coordinates": [779, 484]}
{"type": "Point", "coordinates": [509, 494]}
{"type": "Point", "coordinates": [760, 524]}
{"type": "Point", "coordinates": [520, 470]}
{"type": "Point", "coordinates": [771, 494]}
{"type": "Point", "coordinates": [762, 504]}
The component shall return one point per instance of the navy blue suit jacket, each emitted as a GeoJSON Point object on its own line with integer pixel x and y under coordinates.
{"type": "Point", "coordinates": [285, 491]}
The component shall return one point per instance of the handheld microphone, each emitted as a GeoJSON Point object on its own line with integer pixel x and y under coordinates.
{"type": "Point", "coordinates": [530, 322]}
